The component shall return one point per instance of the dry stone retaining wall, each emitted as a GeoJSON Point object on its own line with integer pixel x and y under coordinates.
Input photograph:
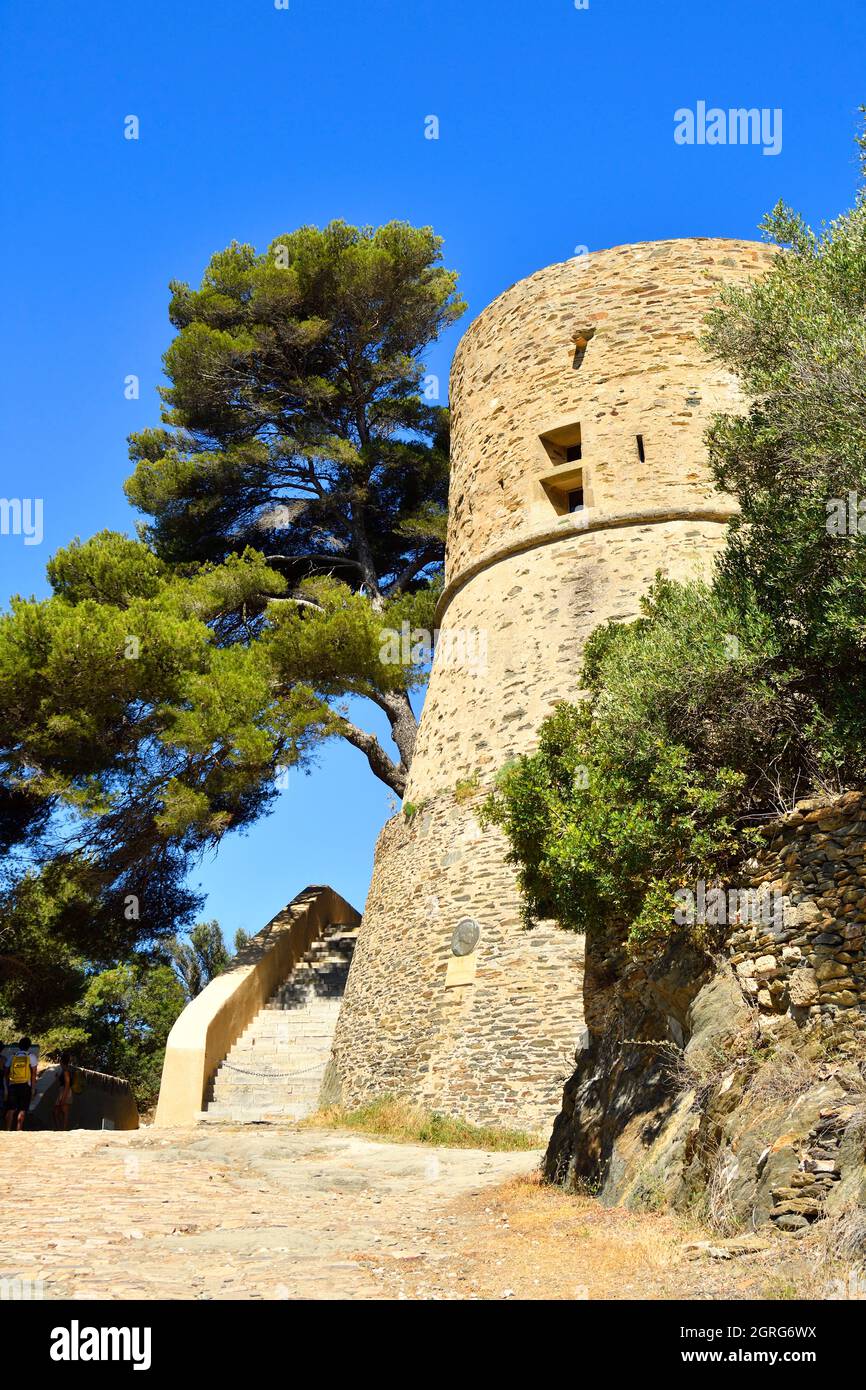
{"type": "Point", "coordinates": [810, 962]}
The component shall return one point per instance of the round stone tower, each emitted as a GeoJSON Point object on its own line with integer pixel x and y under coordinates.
{"type": "Point", "coordinates": [579, 398]}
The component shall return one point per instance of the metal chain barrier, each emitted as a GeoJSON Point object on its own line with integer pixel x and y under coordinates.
{"type": "Point", "coordinates": [272, 1075]}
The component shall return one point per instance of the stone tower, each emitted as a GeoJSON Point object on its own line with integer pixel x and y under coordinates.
{"type": "Point", "coordinates": [580, 398]}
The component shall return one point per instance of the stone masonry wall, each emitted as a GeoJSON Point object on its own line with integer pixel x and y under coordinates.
{"type": "Point", "coordinates": [514, 377]}
{"type": "Point", "coordinates": [493, 1047]}
{"type": "Point", "coordinates": [535, 612]}
{"type": "Point", "coordinates": [810, 964]}
{"type": "Point", "coordinates": [643, 372]}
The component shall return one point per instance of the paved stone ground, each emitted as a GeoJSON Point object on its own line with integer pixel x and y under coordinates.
{"type": "Point", "coordinates": [263, 1212]}
{"type": "Point", "coordinates": [276, 1212]}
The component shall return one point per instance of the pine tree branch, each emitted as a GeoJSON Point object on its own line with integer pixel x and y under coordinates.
{"type": "Point", "coordinates": [298, 599]}
{"type": "Point", "coordinates": [414, 567]}
{"type": "Point", "coordinates": [391, 773]}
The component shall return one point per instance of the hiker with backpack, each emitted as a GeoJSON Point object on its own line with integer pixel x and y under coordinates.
{"type": "Point", "coordinates": [20, 1083]}
{"type": "Point", "coordinates": [64, 1097]}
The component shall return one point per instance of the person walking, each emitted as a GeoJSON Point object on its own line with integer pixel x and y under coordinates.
{"type": "Point", "coordinates": [21, 1083]}
{"type": "Point", "coordinates": [64, 1097]}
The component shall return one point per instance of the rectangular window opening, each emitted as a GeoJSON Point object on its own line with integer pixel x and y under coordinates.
{"type": "Point", "coordinates": [566, 490]}
{"type": "Point", "coordinates": [640, 449]}
{"type": "Point", "coordinates": [563, 445]}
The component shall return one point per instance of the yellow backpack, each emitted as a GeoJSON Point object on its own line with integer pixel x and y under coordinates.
{"type": "Point", "coordinates": [19, 1069]}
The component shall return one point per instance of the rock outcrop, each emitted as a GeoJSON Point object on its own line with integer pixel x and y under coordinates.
{"type": "Point", "coordinates": [735, 1083]}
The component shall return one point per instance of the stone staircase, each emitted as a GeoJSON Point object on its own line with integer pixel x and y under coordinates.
{"type": "Point", "coordinates": [276, 1067]}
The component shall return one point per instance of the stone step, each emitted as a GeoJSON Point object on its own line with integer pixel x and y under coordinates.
{"type": "Point", "coordinates": [321, 1003]}
{"type": "Point", "coordinates": [297, 1028]}
{"type": "Point", "coordinates": [296, 1031]}
{"type": "Point", "coordinates": [243, 1087]}
{"type": "Point", "coordinates": [213, 1115]}
{"type": "Point", "coordinates": [238, 1081]}
{"type": "Point", "coordinates": [285, 1042]}
{"type": "Point", "coordinates": [297, 1052]}
{"type": "Point", "coordinates": [274, 1013]}
{"type": "Point", "coordinates": [263, 1100]}
{"type": "Point", "coordinates": [256, 1095]}
{"type": "Point", "coordinates": [313, 972]}
{"type": "Point", "coordinates": [273, 1026]}
{"type": "Point", "coordinates": [241, 1080]}
{"type": "Point", "coordinates": [287, 1015]}
{"type": "Point", "coordinates": [275, 1067]}
{"type": "Point", "coordinates": [271, 1076]}
{"type": "Point", "coordinates": [240, 1085]}
{"type": "Point", "coordinates": [290, 1037]}
{"type": "Point", "coordinates": [291, 1020]}
{"type": "Point", "coordinates": [304, 1035]}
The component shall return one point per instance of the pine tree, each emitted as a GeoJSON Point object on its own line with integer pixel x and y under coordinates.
{"type": "Point", "coordinates": [297, 426]}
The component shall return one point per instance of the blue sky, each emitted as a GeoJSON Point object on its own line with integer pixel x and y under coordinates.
{"type": "Point", "coordinates": [555, 132]}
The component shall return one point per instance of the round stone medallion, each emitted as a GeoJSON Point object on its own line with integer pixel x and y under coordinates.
{"type": "Point", "coordinates": [465, 937]}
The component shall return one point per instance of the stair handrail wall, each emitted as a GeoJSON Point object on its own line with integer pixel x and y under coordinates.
{"type": "Point", "coordinates": [212, 1022]}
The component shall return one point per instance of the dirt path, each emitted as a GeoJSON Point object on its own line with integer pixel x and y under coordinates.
{"type": "Point", "coordinates": [276, 1212]}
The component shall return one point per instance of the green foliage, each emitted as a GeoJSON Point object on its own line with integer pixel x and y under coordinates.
{"type": "Point", "coordinates": [130, 735]}
{"type": "Point", "coordinates": [402, 1122]}
{"type": "Point", "coordinates": [296, 384]}
{"type": "Point", "coordinates": [466, 787]}
{"type": "Point", "coordinates": [200, 957]}
{"type": "Point", "coordinates": [297, 426]}
{"type": "Point", "coordinates": [128, 1013]}
{"type": "Point", "coordinates": [797, 341]}
{"type": "Point", "coordinates": [619, 805]}
{"type": "Point", "coordinates": [44, 923]}
{"type": "Point", "coordinates": [340, 646]}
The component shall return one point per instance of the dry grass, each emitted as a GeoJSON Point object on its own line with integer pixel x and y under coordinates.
{"type": "Point", "coordinates": [843, 1239]}
{"type": "Point", "coordinates": [826, 1262]}
{"type": "Point", "coordinates": [704, 1068]}
{"type": "Point", "coordinates": [466, 788]}
{"type": "Point", "coordinates": [719, 1206]}
{"type": "Point", "coordinates": [554, 1244]}
{"type": "Point", "coordinates": [542, 1242]}
{"type": "Point", "coordinates": [785, 1075]}
{"type": "Point", "coordinates": [402, 1122]}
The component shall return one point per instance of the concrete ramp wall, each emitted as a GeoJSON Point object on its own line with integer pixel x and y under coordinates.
{"type": "Point", "coordinates": [209, 1025]}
